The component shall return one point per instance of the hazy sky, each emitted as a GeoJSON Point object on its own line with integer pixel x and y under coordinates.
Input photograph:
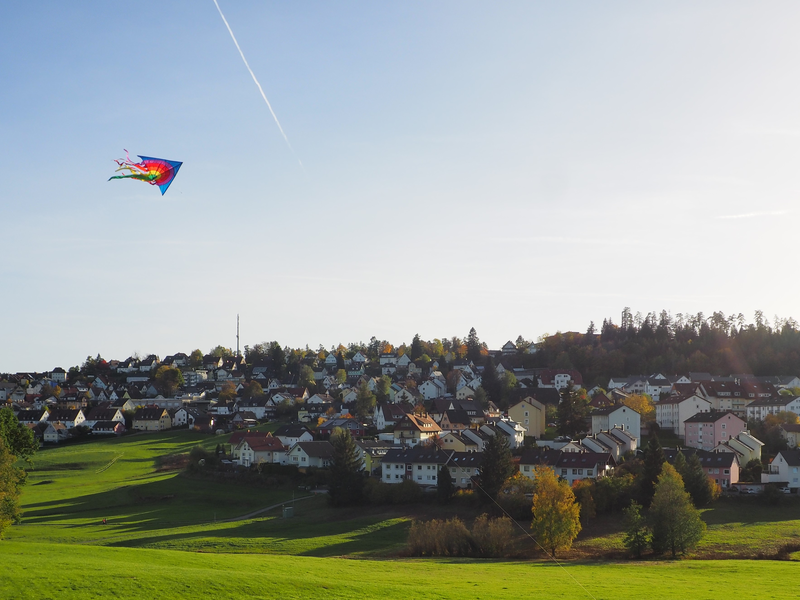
{"type": "Point", "coordinates": [521, 169]}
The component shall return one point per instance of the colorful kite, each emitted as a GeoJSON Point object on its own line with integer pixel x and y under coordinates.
{"type": "Point", "coordinates": [155, 171]}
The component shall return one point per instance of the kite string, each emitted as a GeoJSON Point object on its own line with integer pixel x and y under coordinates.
{"type": "Point", "coordinates": [253, 75]}
{"type": "Point", "coordinates": [525, 531]}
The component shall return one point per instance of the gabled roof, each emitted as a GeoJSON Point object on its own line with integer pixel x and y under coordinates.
{"type": "Point", "coordinates": [148, 413]}
{"type": "Point", "coordinates": [711, 417]}
{"type": "Point", "coordinates": [610, 409]}
{"type": "Point", "coordinates": [264, 444]}
{"type": "Point", "coordinates": [417, 454]}
{"type": "Point", "coordinates": [417, 423]}
{"type": "Point", "coordinates": [779, 400]}
{"type": "Point", "coordinates": [316, 449]}
{"type": "Point", "coordinates": [707, 459]}
{"type": "Point", "coordinates": [792, 457]}
{"type": "Point", "coordinates": [291, 430]}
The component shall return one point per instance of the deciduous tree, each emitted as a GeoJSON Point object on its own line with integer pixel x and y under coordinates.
{"type": "Point", "coordinates": [306, 377]}
{"type": "Point", "coordinates": [365, 401]}
{"type": "Point", "coordinates": [11, 479]}
{"type": "Point", "coordinates": [18, 439]}
{"type": "Point", "coordinates": [168, 380]}
{"type": "Point", "coordinates": [556, 515]}
{"type": "Point", "coordinates": [676, 524]}
{"type": "Point", "coordinates": [252, 390]}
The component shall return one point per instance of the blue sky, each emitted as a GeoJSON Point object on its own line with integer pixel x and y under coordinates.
{"type": "Point", "coordinates": [519, 169]}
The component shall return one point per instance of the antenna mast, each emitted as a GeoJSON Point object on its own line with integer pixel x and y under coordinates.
{"type": "Point", "coordinates": [237, 335]}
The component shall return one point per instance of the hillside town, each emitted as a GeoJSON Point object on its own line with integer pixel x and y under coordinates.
{"type": "Point", "coordinates": [412, 417]}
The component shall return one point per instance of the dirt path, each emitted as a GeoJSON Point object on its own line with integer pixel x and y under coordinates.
{"type": "Point", "coordinates": [262, 510]}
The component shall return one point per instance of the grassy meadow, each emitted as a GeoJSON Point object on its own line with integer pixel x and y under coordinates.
{"type": "Point", "coordinates": [174, 536]}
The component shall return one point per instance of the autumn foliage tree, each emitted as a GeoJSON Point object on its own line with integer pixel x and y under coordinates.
{"type": "Point", "coordinates": [556, 515]}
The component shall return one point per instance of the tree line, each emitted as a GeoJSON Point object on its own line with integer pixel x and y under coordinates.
{"type": "Point", "coordinates": [644, 344]}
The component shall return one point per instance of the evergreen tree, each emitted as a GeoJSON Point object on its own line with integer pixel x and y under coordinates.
{"type": "Point", "coordinates": [474, 346]}
{"type": "Point", "coordinates": [700, 487]}
{"type": "Point", "coordinates": [345, 481]}
{"type": "Point", "coordinates": [556, 515]}
{"type": "Point", "coordinates": [445, 488]}
{"type": "Point", "coordinates": [496, 466]}
{"type": "Point", "coordinates": [680, 464]}
{"type": "Point", "coordinates": [572, 412]}
{"type": "Point", "coordinates": [416, 348]}
{"type": "Point", "coordinates": [278, 357]}
{"type": "Point", "coordinates": [636, 538]}
{"type": "Point", "coordinates": [676, 524]}
{"type": "Point", "coordinates": [653, 460]}
{"type": "Point", "coordinates": [490, 382]}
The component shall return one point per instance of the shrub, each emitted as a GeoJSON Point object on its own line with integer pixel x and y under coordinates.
{"type": "Point", "coordinates": [493, 538]}
{"type": "Point", "coordinates": [489, 538]}
{"type": "Point", "coordinates": [439, 538]}
{"type": "Point", "coordinates": [405, 492]}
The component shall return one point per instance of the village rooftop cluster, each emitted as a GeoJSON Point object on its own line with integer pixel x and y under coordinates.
{"type": "Point", "coordinates": [423, 419]}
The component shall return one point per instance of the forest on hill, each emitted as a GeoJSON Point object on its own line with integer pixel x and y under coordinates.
{"type": "Point", "coordinates": [645, 344]}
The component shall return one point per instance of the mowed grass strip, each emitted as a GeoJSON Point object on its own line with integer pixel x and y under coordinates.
{"type": "Point", "coordinates": [82, 572]}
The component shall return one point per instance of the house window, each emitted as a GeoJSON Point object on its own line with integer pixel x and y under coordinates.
{"type": "Point", "coordinates": [589, 472]}
{"type": "Point", "coordinates": [526, 468]}
{"type": "Point", "coordinates": [563, 472]}
{"type": "Point", "coordinates": [580, 471]}
{"type": "Point", "coordinates": [419, 477]}
{"type": "Point", "coordinates": [303, 459]}
{"type": "Point", "coordinates": [726, 471]}
{"type": "Point", "coordinates": [574, 471]}
{"type": "Point", "coordinates": [419, 467]}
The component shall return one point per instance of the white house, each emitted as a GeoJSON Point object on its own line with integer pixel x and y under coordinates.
{"type": "Point", "coordinates": [619, 416]}
{"type": "Point", "coordinates": [432, 388]}
{"type": "Point", "coordinates": [759, 409]}
{"type": "Point", "coordinates": [310, 454]}
{"type": "Point", "coordinates": [420, 464]}
{"type": "Point", "coordinates": [784, 469]}
{"type": "Point", "coordinates": [672, 412]}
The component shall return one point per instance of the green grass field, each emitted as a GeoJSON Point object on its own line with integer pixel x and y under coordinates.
{"type": "Point", "coordinates": [43, 571]}
{"type": "Point", "coordinates": [171, 536]}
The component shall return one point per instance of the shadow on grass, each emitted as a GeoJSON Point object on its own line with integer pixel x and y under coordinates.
{"type": "Point", "coordinates": [749, 510]}
{"type": "Point", "coordinates": [167, 502]}
{"type": "Point", "coordinates": [314, 521]}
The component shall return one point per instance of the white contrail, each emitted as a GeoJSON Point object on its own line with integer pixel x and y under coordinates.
{"type": "Point", "coordinates": [253, 75]}
{"type": "Point", "coordinates": [774, 213]}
